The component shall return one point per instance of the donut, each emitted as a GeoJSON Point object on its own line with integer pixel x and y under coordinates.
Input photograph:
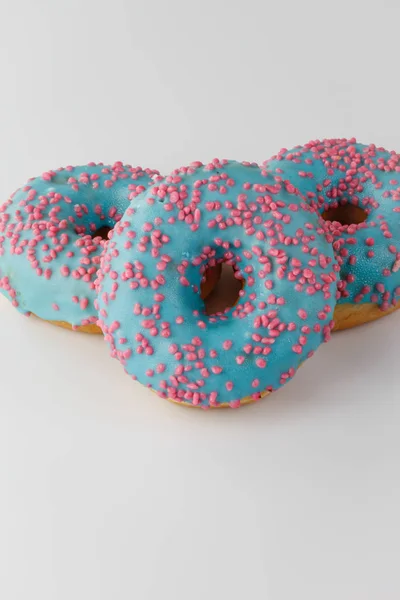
{"type": "Point", "coordinates": [52, 232]}
{"type": "Point", "coordinates": [148, 300]}
{"type": "Point", "coordinates": [356, 189]}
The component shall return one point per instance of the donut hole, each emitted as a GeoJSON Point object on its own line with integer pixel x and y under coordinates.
{"type": "Point", "coordinates": [102, 232]}
{"type": "Point", "coordinates": [345, 214]}
{"type": "Point", "coordinates": [226, 293]}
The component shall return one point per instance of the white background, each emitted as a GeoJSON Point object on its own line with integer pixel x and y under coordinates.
{"type": "Point", "coordinates": [107, 492]}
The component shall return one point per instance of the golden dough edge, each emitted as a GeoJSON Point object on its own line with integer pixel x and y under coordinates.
{"type": "Point", "coordinates": [347, 316]}
{"type": "Point", "coordinates": [91, 328]}
{"type": "Point", "coordinates": [244, 401]}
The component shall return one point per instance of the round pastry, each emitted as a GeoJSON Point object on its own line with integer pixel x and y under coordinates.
{"type": "Point", "coordinates": [52, 232]}
{"type": "Point", "coordinates": [356, 189]}
{"type": "Point", "coordinates": [151, 312]}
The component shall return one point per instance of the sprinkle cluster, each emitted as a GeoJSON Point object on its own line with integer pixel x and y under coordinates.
{"type": "Point", "coordinates": [149, 305]}
{"type": "Point", "coordinates": [343, 173]}
{"type": "Point", "coordinates": [49, 249]}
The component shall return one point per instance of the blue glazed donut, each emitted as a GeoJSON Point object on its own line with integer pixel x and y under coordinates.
{"type": "Point", "coordinates": [356, 188]}
{"type": "Point", "coordinates": [51, 238]}
{"type": "Point", "coordinates": [149, 306]}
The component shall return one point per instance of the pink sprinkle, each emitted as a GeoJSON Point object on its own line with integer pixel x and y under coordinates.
{"type": "Point", "coordinates": [213, 398]}
{"type": "Point", "coordinates": [396, 266]}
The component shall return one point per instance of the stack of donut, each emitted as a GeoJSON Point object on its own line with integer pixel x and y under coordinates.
{"type": "Point", "coordinates": [311, 235]}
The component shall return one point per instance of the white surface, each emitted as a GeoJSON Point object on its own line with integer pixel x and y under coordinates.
{"type": "Point", "coordinates": [107, 492]}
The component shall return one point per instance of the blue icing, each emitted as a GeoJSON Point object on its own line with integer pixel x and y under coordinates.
{"type": "Point", "coordinates": [150, 308]}
{"type": "Point", "coordinates": [48, 258]}
{"type": "Point", "coordinates": [332, 172]}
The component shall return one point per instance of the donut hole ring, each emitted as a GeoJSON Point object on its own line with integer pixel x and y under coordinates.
{"type": "Point", "coordinates": [345, 214]}
{"type": "Point", "coordinates": [102, 232]}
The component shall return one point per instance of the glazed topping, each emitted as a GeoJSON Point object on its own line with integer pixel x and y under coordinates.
{"type": "Point", "coordinates": [52, 232]}
{"type": "Point", "coordinates": [357, 190]}
{"type": "Point", "coordinates": [148, 287]}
